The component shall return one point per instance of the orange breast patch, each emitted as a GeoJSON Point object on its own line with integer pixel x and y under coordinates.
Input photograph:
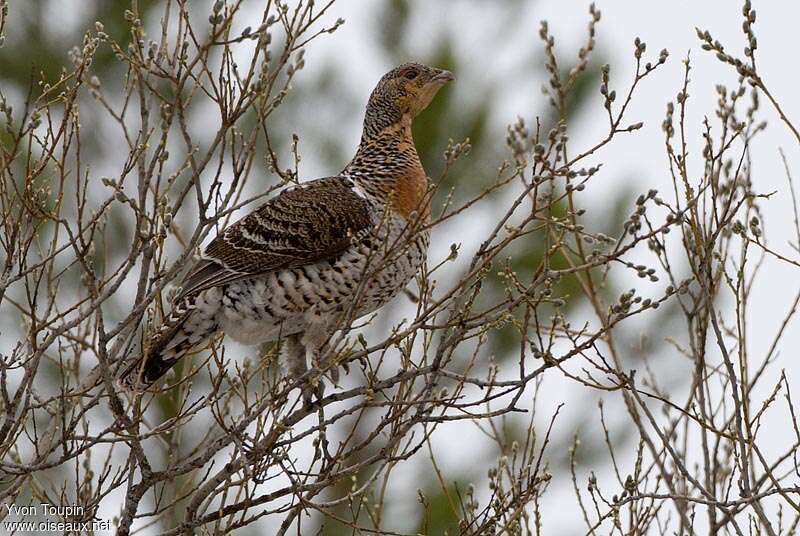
{"type": "Point", "coordinates": [409, 193]}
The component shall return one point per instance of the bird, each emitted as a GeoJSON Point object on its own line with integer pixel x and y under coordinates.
{"type": "Point", "coordinates": [318, 255]}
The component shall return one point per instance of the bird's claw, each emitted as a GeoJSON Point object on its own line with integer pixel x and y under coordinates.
{"type": "Point", "coordinates": [362, 362]}
{"type": "Point", "coordinates": [314, 389]}
{"type": "Point", "coordinates": [333, 373]}
{"type": "Point", "coordinates": [327, 363]}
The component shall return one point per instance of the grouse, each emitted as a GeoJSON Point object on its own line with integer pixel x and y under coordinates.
{"type": "Point", "coordinates": [317, 256]}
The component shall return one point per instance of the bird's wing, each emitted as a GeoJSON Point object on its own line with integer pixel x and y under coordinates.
{"type": "Point", "coordinates": [309, 223]}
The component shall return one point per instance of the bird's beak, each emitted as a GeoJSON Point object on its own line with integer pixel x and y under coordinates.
{"type": "Point", "coordinates": [429, 90]}
{"type": "Point", "coordinates": [443, 76]}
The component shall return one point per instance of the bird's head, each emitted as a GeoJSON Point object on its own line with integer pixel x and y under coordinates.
{"type": "Point", "coordinates": [401, 94]}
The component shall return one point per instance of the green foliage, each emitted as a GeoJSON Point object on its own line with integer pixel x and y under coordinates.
{"type": "Point", "coordinates": [438, 516]}
{"type": "Point", "coordinates": [394, 24]}
{"type": "Point", "coordinates": [33, 52]}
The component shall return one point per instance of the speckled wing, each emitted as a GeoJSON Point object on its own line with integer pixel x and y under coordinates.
{"type": "Point", "coordinates": [306, 224]}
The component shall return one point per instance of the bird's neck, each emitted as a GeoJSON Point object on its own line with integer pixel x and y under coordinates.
{"type": "Point", "coordinates": [388, 168]}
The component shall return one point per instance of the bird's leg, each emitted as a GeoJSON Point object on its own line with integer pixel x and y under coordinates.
{"type": "Point", "coordinates": [293, 356]}
{"type": "Point", "coordinates": [318, 351]}
{"type": "Point", "coordinates": [316, 341]}
{"type": "Point", "coordinates": [294, 360]}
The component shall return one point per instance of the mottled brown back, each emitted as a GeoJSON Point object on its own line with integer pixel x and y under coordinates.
{"type": "Point", "coordinates": [309, 223]}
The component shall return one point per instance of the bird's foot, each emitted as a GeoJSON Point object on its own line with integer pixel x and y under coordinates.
{"type": "Point", "coordinates": [313, 389]}
{"type": "Point", "coordinates": [346, 362]}
{"type": "Point", "coordinates": [333, 372]}
{"type": "Point", "coordinates": [325, 360]}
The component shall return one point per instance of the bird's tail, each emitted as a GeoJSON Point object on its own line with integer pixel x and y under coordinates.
{"type": "Point", "coordinates": [184, 328]}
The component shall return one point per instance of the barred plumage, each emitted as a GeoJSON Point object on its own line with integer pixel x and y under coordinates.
{"type": "Point", "coordinates": [318, 254]}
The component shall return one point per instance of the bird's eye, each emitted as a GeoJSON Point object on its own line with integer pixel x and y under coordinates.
{"type": "Point", "coordinates": [412, 74]}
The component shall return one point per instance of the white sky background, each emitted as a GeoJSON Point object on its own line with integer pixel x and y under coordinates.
{"type": "Point", "coordinates": [493, 47]}
{"type": "Point", "coordinates": [490, 49]}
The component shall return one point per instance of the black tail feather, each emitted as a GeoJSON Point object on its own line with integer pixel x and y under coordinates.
{"type": "Point", "coordinates": [161, 354]}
